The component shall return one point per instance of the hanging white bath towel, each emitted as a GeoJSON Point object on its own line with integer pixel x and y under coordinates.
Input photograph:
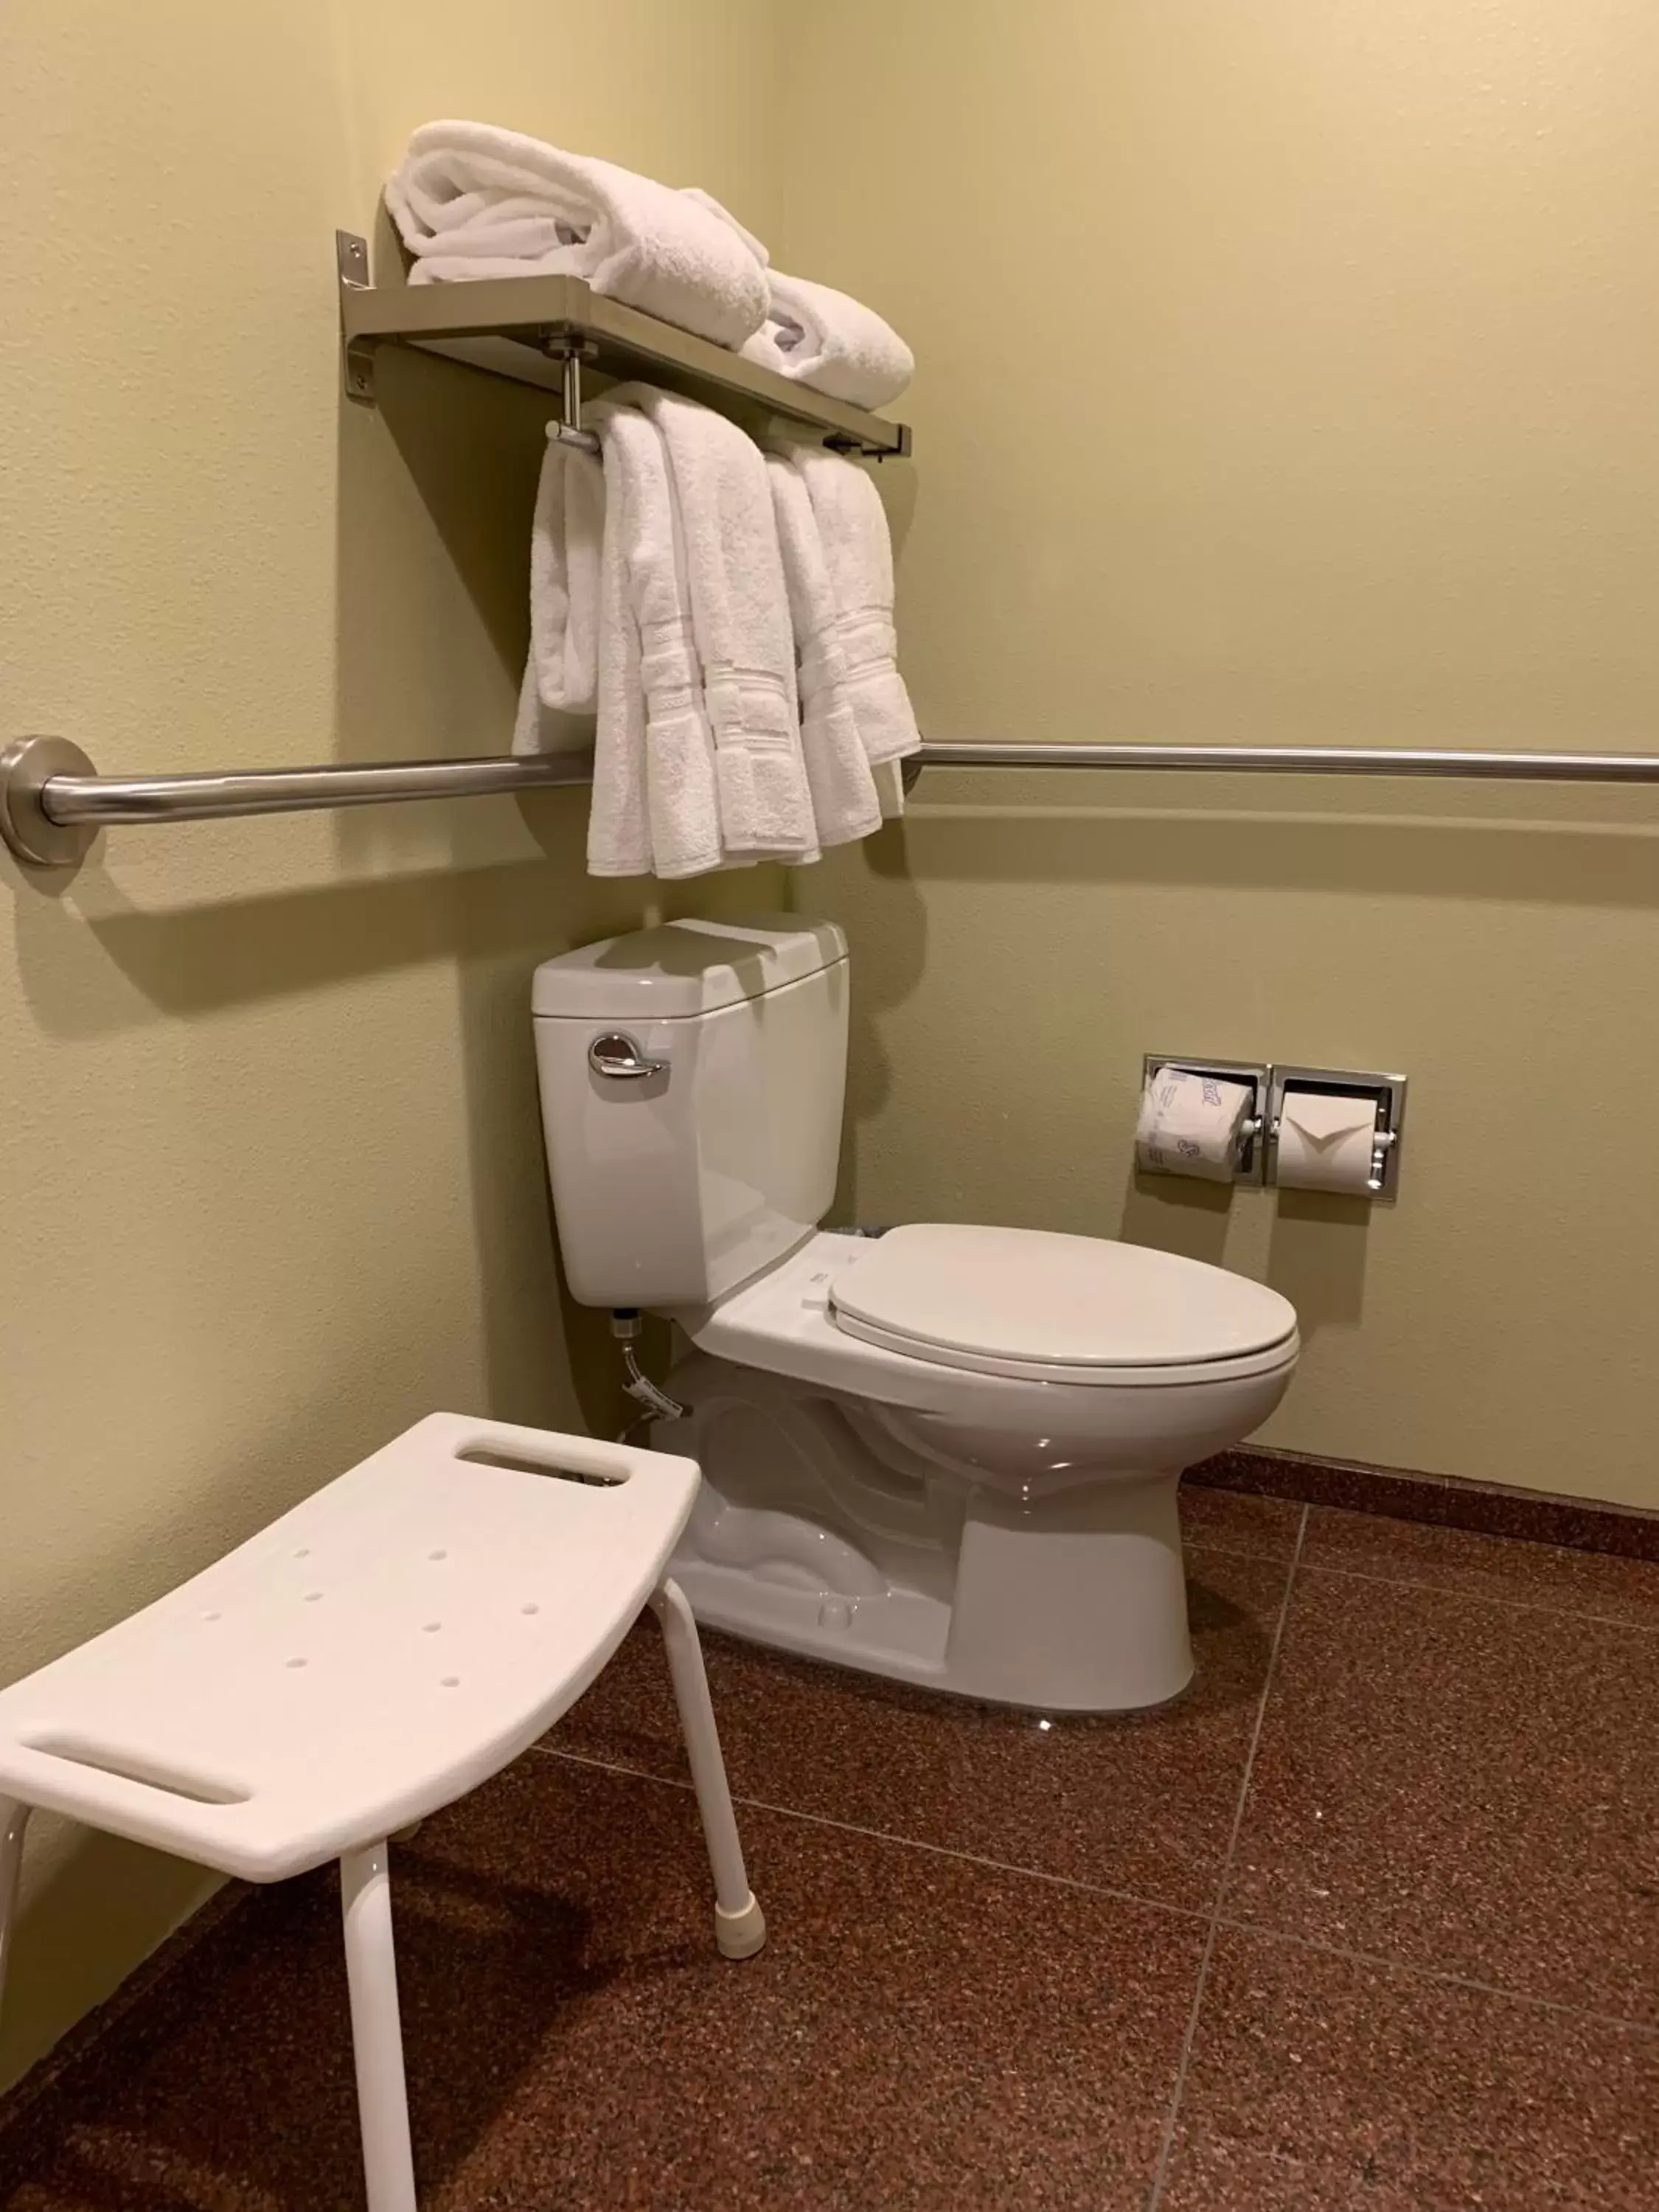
{"type": "Point", "coordinates": [858, 552]}
{"type": "Point", "coordinates": [845, 801]}
{"type": "Point", "coordinates": [733, 572]}
{"type": "Point", "coordinates": [656, 808]}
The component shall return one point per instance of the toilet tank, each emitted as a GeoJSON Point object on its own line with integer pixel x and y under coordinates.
{"type": "Point", "coordinates": [671, 1188]}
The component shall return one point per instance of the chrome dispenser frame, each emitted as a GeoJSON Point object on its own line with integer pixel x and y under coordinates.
{"type": "Point", "coordinates": [1387, 1090]}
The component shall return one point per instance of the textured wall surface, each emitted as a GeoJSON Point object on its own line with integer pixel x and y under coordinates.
{"type": "Point", "coordinates": [272, 1182]}
{"type": "Point", "coordinates": [1287, 375]}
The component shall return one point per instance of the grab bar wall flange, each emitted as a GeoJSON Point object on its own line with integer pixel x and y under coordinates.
{"type": "Point", "coordinates": [52, 803]}
{"type": "Point", "coordinates": [27, 766]}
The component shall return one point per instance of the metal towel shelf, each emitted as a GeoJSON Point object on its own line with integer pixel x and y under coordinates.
{"type": "Point", "coordinates": [543, 329]}
{"type": "Point", "coordinates": [53, 802]}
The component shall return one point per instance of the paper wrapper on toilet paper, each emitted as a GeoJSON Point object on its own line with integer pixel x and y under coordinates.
{"type": "Point", "coordinates": [1325, 1142]}
{"type": "Point", "coordinates": [1189, 1125]}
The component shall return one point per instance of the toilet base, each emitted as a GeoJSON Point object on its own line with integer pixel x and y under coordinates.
{"type": "Point", "coordinates": [814, 1535]}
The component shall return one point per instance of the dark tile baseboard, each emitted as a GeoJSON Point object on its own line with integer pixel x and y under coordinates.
{"type": "Point", "coordinates": [1491, 1508]}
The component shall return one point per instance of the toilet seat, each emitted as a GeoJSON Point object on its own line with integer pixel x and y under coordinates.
{"type": "Point", "coordinates": [1045, 1307]}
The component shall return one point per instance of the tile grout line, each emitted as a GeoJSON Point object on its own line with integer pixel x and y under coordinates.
{"type": "Point", "coordinates": [1413, 1970]}
{"type": "Point", "coordinates": [1317, 1566]}
{"type": "Point", "coordinates": [1260, 1931]}
{"type": "Point", "coordinates": [1161, 2172]}
{"type": "Point", "coordinates": [890, 1835]}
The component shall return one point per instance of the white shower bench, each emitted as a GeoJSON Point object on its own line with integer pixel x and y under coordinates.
{"type": "Point", "coordinates": [392, 1642]}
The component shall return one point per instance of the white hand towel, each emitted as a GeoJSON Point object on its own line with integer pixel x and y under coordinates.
{"type": "Point", "coordinates": [472, 201]}
{"type": "Point", "coordinates": [561, 673]}
{"type": "Point", "coordinates": [835, 344]}
{"type": "Point", "coordinates": [740, 617]}
{"type": "Point", "coordinates": [845, 801]}
{"type": "Point", "coordinates": [858, 553]}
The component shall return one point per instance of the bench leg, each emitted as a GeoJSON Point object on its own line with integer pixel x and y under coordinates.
{"type": "Point", "coordinates": [377, 2039]}
{"type": "Point", "coordinates": [14, 1819]}
{"type": "Point", "coordinates": [740, 1925]}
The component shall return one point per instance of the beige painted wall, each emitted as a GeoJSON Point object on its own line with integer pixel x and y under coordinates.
{"type": "Point", "coordinates": [1287, 374]}
{"type": "Point", "coordinates": [271, 1183]}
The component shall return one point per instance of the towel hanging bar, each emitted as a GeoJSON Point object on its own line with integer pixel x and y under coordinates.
{"type": "Point", "coordinates": [53, 802]}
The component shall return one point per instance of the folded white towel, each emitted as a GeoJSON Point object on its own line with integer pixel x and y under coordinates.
{"type": "Point", "coordinates": [707, 200]}
{"type": "Point", "coordinates": [472, 201]}
{"type": "Point", "coordinates": [845, 801]}
{"type": "Point", "coordinates": [561, 673]}
{"type": "Point", "coordinates": [740, 617]}
{"type": "Point", "coordinates": [835, 344]}
{"type": "Point", "coordinates": [858, 553]}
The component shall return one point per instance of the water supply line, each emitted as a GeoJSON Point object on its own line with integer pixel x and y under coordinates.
{"type": "Point", "coordinates": [627, 1327]}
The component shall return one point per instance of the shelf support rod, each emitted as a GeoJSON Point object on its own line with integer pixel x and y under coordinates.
{"type": "Point", "coordinates": [570, 353]}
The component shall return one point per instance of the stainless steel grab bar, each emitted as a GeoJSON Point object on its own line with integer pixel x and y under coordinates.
{"type": "Point", "coordinates": [52, 801]}
{"type": "Point", "coordinates": [1310, 760]}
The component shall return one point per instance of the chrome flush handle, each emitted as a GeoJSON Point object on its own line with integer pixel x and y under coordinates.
{"type": "Point", "coordinates": [617, 1056]}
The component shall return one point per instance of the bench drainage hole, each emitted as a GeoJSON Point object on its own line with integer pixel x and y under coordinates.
{"type": "Point", "coordinates": [530, 1608]}
{"type": "Point", "coordinates": [451, 1682]}
{"type": "Point", "coordinates": [312, 1596]}
{"type": "Point", "coordinates": [432, 1628]}
{"type": "Point", "coordinates": [437, 1555]}
{"type": "Point", "coordinates": [296, 1663]}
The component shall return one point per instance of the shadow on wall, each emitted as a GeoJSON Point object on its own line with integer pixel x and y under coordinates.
{"type": "Point", "coordinates": [877, 989]}
{"type": "Point", "coordinates": [1409, 856]}
{"type": "Point", "coordinates": [468, 453]}
{"type": "Point", "coordinates": [511, 888]}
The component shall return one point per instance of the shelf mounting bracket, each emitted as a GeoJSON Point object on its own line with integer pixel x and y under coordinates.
{"type": "Point", "coordinates": [357, 356]}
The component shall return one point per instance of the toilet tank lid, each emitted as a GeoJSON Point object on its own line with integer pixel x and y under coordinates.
{"type": "Point", "coordinates": [684, 968]}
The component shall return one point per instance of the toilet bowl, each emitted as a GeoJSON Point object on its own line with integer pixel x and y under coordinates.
{"type": "Point", "coordinates": [948, 1453]}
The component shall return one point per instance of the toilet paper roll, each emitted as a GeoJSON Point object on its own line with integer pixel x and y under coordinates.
{"type": "Point", "coordinates": [1189, 1125]}
{"type": "Point", "coordinates": [1326, 1142]}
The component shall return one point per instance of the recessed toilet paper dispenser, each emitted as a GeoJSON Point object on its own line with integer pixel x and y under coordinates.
{"type": "Point", "coordinates": [1304, 1128]}
{"type": "Point", "coordinates": [1335, 1129]}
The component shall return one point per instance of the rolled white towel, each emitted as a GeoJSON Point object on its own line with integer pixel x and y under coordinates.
{"type": "Point", "coordinates": [820, 337]}
{"type": "Point", "coordinates": [470, 201]}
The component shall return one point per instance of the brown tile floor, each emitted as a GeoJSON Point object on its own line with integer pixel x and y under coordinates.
{"type": "Point", "coordinates": [1371, 1918]}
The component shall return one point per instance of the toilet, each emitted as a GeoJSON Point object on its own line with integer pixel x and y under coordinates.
{"type": "Point", "coordinates": [938, 1452]}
